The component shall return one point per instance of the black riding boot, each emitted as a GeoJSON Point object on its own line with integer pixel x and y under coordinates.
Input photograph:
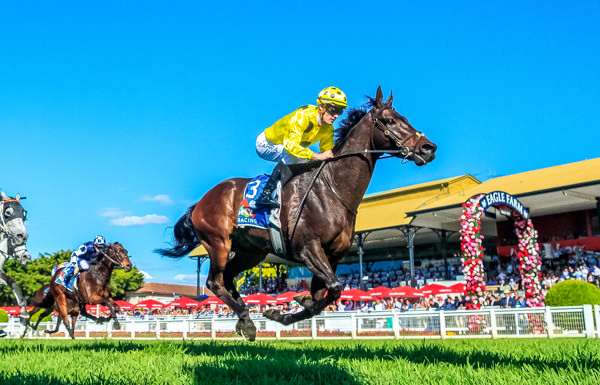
{"type": "Point", "coordinates": [280, 172]}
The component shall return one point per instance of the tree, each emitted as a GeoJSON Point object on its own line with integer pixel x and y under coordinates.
{"type": "Point", "coordinates": [122, 282]}
{"type": "Point", "coordinates": [250, 278]}
{"type": "Point", "coordinates": [32, 276]}
{"type": "Point", "coordinates": [35, 274]}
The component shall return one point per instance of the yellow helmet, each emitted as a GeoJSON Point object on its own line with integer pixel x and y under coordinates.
{"type": "Point", "coordinates": [332, 95]}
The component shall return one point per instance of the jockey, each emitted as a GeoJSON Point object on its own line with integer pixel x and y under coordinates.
{"type": "Point", "coordinates": [80, 258]}
{"type": "Point", "coordinates": [286, 141]}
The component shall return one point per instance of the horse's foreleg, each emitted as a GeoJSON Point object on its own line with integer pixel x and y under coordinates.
{"type": "Point", "coordinates": [21, 302]}
{"type": "Point", "coordinates": [83, 312]}
{"type": "Point", "coordinates": [313, 304]}
{"type": "Point", "coordinates": [114, 308]}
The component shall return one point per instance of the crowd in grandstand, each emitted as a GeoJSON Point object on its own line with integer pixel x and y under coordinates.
{"type": "Point", "coordinates": [503, 283]}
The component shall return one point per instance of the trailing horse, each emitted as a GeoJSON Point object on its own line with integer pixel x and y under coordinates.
{"type": "Point", "coordinates": [92, 287]}
{"type": "Point", "coordinates": [13, 236]}
{"type": "Point", "coordinates": [318, 213]}
{"type": "Point", "coordinates": [42, 299]}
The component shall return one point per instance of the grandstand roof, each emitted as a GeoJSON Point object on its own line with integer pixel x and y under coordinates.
{"type": "Point", "coordinates": [438, 204]}
{"type": "Point", "coordinates": [553, 190]}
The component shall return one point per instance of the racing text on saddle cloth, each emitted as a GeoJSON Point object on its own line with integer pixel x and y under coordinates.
{"type": "Point", "coordinates": [249, 214]}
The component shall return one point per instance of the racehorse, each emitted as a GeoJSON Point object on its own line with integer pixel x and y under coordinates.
{"type": "Point", "coordinates": [92, 286]}
{"type": "Point", "coordinates": [42, 299]}
{"type": "Point", "coordinates": [318, 213]}
{"type": "Point", "coordinates": [13, 236]}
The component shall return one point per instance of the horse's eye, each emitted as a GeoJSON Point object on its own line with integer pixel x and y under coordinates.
{"type": "Point", "coordinates": [390, 121]}
{"type": "Point", "coordinates": [9, 212]}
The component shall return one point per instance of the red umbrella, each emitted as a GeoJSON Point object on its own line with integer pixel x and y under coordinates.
{"type": "Point", "coordinates": [459, 288]}
{"type": "Point", "coordinates": [96, 308]}
{"type": "Point", "coordinates": [184, 302]}
{"type": "Point", "coordinates": [124, 305]}
{"type": "Point", "coordinates": [214, 300]}
{"type": "Point", "coordinates": [11, 309]}
{"type": "Point", "coordinates": [435, 289]}
{"type": "Point", "coordinates": [379, 291]}
{"type": "Point", "coordinates": [260, 298]}
{"type": "Point", "coordinates": [150, 304]}
{"type": "Point", "coordinates": [286, 297]}
{"type": "Point", "coordinates": [405, 291]}
{"type": "Point", "coordinates": [356, 295]}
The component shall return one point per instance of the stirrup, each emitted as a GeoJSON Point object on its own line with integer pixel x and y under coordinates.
{"type": "Point", "coordinates": [271, 202]}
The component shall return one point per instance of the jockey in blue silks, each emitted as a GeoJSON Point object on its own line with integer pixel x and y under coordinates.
{"type": "Point", "coordinates": [80, 259]}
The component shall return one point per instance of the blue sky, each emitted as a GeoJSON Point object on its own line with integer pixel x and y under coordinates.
{"type": "Point", "coordinates": [117, 116]}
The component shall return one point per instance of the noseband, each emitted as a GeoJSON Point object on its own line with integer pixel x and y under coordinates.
{"type": "Point", "coordinates": [404, 150]}
{"type": "Point", "coordinates": [120, 264]}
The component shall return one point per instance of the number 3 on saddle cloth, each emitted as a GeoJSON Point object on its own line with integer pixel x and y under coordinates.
{"type": "Point", "coordinates": [262, 217]}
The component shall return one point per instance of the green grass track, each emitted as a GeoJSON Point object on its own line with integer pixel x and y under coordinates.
{"type": "Point", "coordinates": [502, 361]}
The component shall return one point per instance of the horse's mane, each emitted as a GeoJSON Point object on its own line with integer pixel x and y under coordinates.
{"type": "Point", "coordinates": [351, 120]}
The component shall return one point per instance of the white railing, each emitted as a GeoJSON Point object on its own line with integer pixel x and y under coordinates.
{"type": "Point", "coordinates": [548, 322]}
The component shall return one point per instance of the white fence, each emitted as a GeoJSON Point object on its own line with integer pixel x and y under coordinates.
{"type": "Point", "coordinates": [547, 322]}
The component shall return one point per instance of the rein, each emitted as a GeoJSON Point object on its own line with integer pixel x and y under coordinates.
{"type": "Point", "coordinates": [112, 260]}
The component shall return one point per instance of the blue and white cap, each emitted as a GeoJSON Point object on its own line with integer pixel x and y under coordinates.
{"type": "Point", "coordinates": [99, 240]}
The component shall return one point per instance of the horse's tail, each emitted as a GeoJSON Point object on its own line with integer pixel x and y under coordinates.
{"type": "Point", "coordinates": [42, 298]}
{"type": "Point", "coordinates": [184, 237]}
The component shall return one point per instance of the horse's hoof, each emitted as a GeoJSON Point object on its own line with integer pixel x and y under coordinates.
{"type": "Point", "coordinates": [272, 314]}
{"type": "Point", "coordinates": [246, 329]}
{"type": "Point", "coordinates": [117, 326]}
{"type": "Point", "coordinates": [304, 300]}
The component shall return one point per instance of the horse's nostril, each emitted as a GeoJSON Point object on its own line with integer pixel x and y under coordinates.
{"type": "Point", "coordinates": [428, 148]}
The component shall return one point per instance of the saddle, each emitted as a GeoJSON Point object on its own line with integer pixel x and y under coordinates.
{"type": "Point", "coordinates": [264, 217]}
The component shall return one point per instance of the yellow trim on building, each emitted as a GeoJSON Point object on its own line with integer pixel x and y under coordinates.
{"type": "Point", "coordinates": [389, 208]}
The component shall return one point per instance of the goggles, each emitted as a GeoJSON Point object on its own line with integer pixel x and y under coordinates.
{"type": "Point", "coordinates": [332, 109]}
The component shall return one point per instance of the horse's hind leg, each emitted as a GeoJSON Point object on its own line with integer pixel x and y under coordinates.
{"type": "Point", "coordinates": [61, 301]}
{"type": "Point", "coordinates": [241, 262]}
{"type": "Point", "coordinates": [225, 290]}
{"type": "Point", "coordinates": [58, 321]}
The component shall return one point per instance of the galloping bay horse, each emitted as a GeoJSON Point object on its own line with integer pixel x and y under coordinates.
{"type": "Point", "coordinates": [93, 287]}
{"type": "Point", "coordinates": [318, 213]}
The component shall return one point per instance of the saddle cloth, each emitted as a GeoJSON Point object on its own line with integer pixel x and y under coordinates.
{"type": "Point", "coordinates": [262, 217]}
{"type": "Point", "coordinates": [61, 281]}
{"type": "Point", "coordinates": [249, 214]}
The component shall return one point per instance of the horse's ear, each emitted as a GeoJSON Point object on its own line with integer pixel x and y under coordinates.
{"type": "Point", "coordinates": [378, 97]}
{"type": "Point", "coordinates": [18, 197]}
{"type": "Point", "coordinates": [390, 100]}
{"type": "Point", "coordinates": [3, 195]}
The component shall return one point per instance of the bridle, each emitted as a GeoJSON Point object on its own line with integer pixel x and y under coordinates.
{"type": "Point", "coordinates": [4, 229]}
{"type": "Point", "coordinates": [120, 264]}
{"type": "Point", "coordinates": [404, 150]}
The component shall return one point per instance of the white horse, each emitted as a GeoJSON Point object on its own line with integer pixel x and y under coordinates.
{"type": "Point", "coordinates": [13, 236]}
